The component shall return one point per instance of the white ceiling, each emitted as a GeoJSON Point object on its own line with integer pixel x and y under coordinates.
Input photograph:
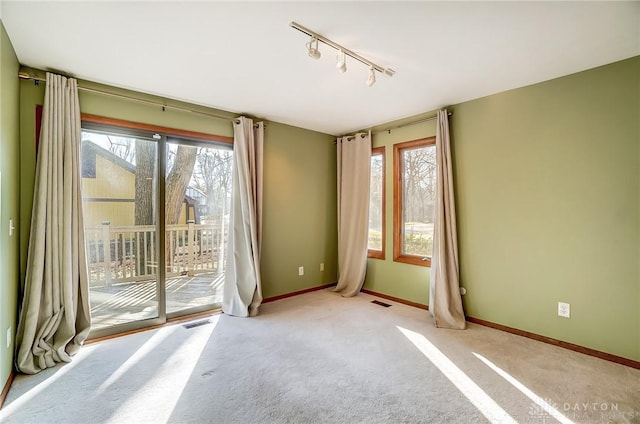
{"type": "Point", "coordinates": [244, 57]}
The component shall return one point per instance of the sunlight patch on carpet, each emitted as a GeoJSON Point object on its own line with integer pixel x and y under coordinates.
{"type": "Point", "coordinates": [478, 397]}
{"type": "Point", "coordinates": [542, 407]}
{"type": "Point", "coordinates": [41, 387]}
{"type": "Point", "coordinates": [139, 355]}
{"type": "Point", "coordinates": [164, 388]}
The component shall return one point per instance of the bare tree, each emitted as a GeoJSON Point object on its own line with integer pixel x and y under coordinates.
{"type": "Point", "coordinates": [123, 147]}
{"type": "Point", "coordinates": [377, 188]}
{"type": "Point", "coordinates": [177, 181]}
{"type": "Point", "coordinates": [419, 184]}
{"type": "Point", "coordinates": [145, 173]}
{"type": "Point", "coordinates": [213, 177]}
{"type": "Point", "coordinates": [145, 155]}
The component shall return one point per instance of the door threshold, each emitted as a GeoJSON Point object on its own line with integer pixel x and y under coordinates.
{"type": "Point", "coordinates": [170, 322]}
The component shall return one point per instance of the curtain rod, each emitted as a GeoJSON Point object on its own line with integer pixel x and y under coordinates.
{"type": "Point", "coordinates": [28, 76]}
{"type": "Point", "coordinates": [408, 124]}
{"type": "Point", "coordinates": [353, 136]}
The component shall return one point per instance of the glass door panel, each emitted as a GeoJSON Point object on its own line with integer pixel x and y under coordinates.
{"type": "Point", "coordinates": [197, 199]}
{"type": "Point", "coordinates": [119, 183]}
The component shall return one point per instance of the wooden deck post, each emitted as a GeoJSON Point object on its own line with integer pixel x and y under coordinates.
{"type": "Point", "coordinates": [191, 248]}
{"type": "Point", "coordinates": [106, 249]}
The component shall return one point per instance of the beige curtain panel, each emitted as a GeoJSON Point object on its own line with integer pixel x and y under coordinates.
{"type": "Point", "coordinates": [242, 285]}
{"type": "Point", "coordinates": [55, 315]}
{"type": "Point", "coordinates": [354, 184]}
{"type": "Point", "coordinates": [445, 302]}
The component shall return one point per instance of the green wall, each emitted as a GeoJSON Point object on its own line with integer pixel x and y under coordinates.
{"type": "Point", "coordinates": [9, 199]}
{"type": "Point", "coordinates": [300, 219]}
{"type": "Point", "coordinates": [299, 182]}
{"type": "Point", "coordinates": [548, 201]}
{"type": "Point", "coordinates": [548, 207]}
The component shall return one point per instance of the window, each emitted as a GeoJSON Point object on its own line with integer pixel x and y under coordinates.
{"type": "Point", "coordinates": [414, 169]}
{"type": "Point", "coordinates": [377, 205]}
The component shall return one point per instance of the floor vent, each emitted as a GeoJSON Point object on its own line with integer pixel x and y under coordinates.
{"type": "Point", "coordinates": [197, 323]}
{"type": "Point", "coordinates": [377, 302]}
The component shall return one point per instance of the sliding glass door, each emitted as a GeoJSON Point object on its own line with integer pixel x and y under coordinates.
{"type": "Point", "coordinates": [119, 179]}
{"type": "Point", "coordinates": [197, 196]}
{"type": "Point", "coordinates": [155, 240]}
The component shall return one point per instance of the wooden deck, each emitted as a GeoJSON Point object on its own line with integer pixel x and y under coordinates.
{"type": "Point", "coordinates": [126, 302]}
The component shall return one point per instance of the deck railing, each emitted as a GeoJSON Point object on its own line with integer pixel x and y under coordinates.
{"type": "Point", "coordinates": [118, 254]}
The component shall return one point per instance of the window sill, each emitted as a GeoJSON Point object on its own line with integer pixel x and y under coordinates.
{"type": "Point", "coordinates": [413, 260]}
{"type": "Point", "coordinates": [375, 254]}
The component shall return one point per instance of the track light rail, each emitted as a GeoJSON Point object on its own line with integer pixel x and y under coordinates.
{"type": "Point", "coordinates": [356, 56]}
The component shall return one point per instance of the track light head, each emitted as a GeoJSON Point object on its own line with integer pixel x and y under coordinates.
{"type": "Point", "coordinates": [312, 50]}
{"type": "Point", "coordinates": [341, 63]}
{"type": "Point", "coordinates": [372, 77]}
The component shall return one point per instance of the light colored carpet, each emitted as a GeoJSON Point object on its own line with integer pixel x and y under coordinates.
{"type": "Point", "coordinates": [321, 358]}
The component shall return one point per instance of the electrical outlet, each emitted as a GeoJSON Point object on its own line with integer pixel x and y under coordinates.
{"type": "Point", "coordinates": [8, 337]}
{"type": "Point", "coordinates": [321, 266]}
{"type": "Point", "coordinates": [301, 271]}
{"type": "Point", "coordinates": [564, 310]}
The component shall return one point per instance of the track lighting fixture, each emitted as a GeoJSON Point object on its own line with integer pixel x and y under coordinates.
{"type": "Point", "coordinates": [312, 50]}
{"type": "Point", "coordinates": [372, 77]}
{"type": "Point", "coordinates": [341, 62]}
